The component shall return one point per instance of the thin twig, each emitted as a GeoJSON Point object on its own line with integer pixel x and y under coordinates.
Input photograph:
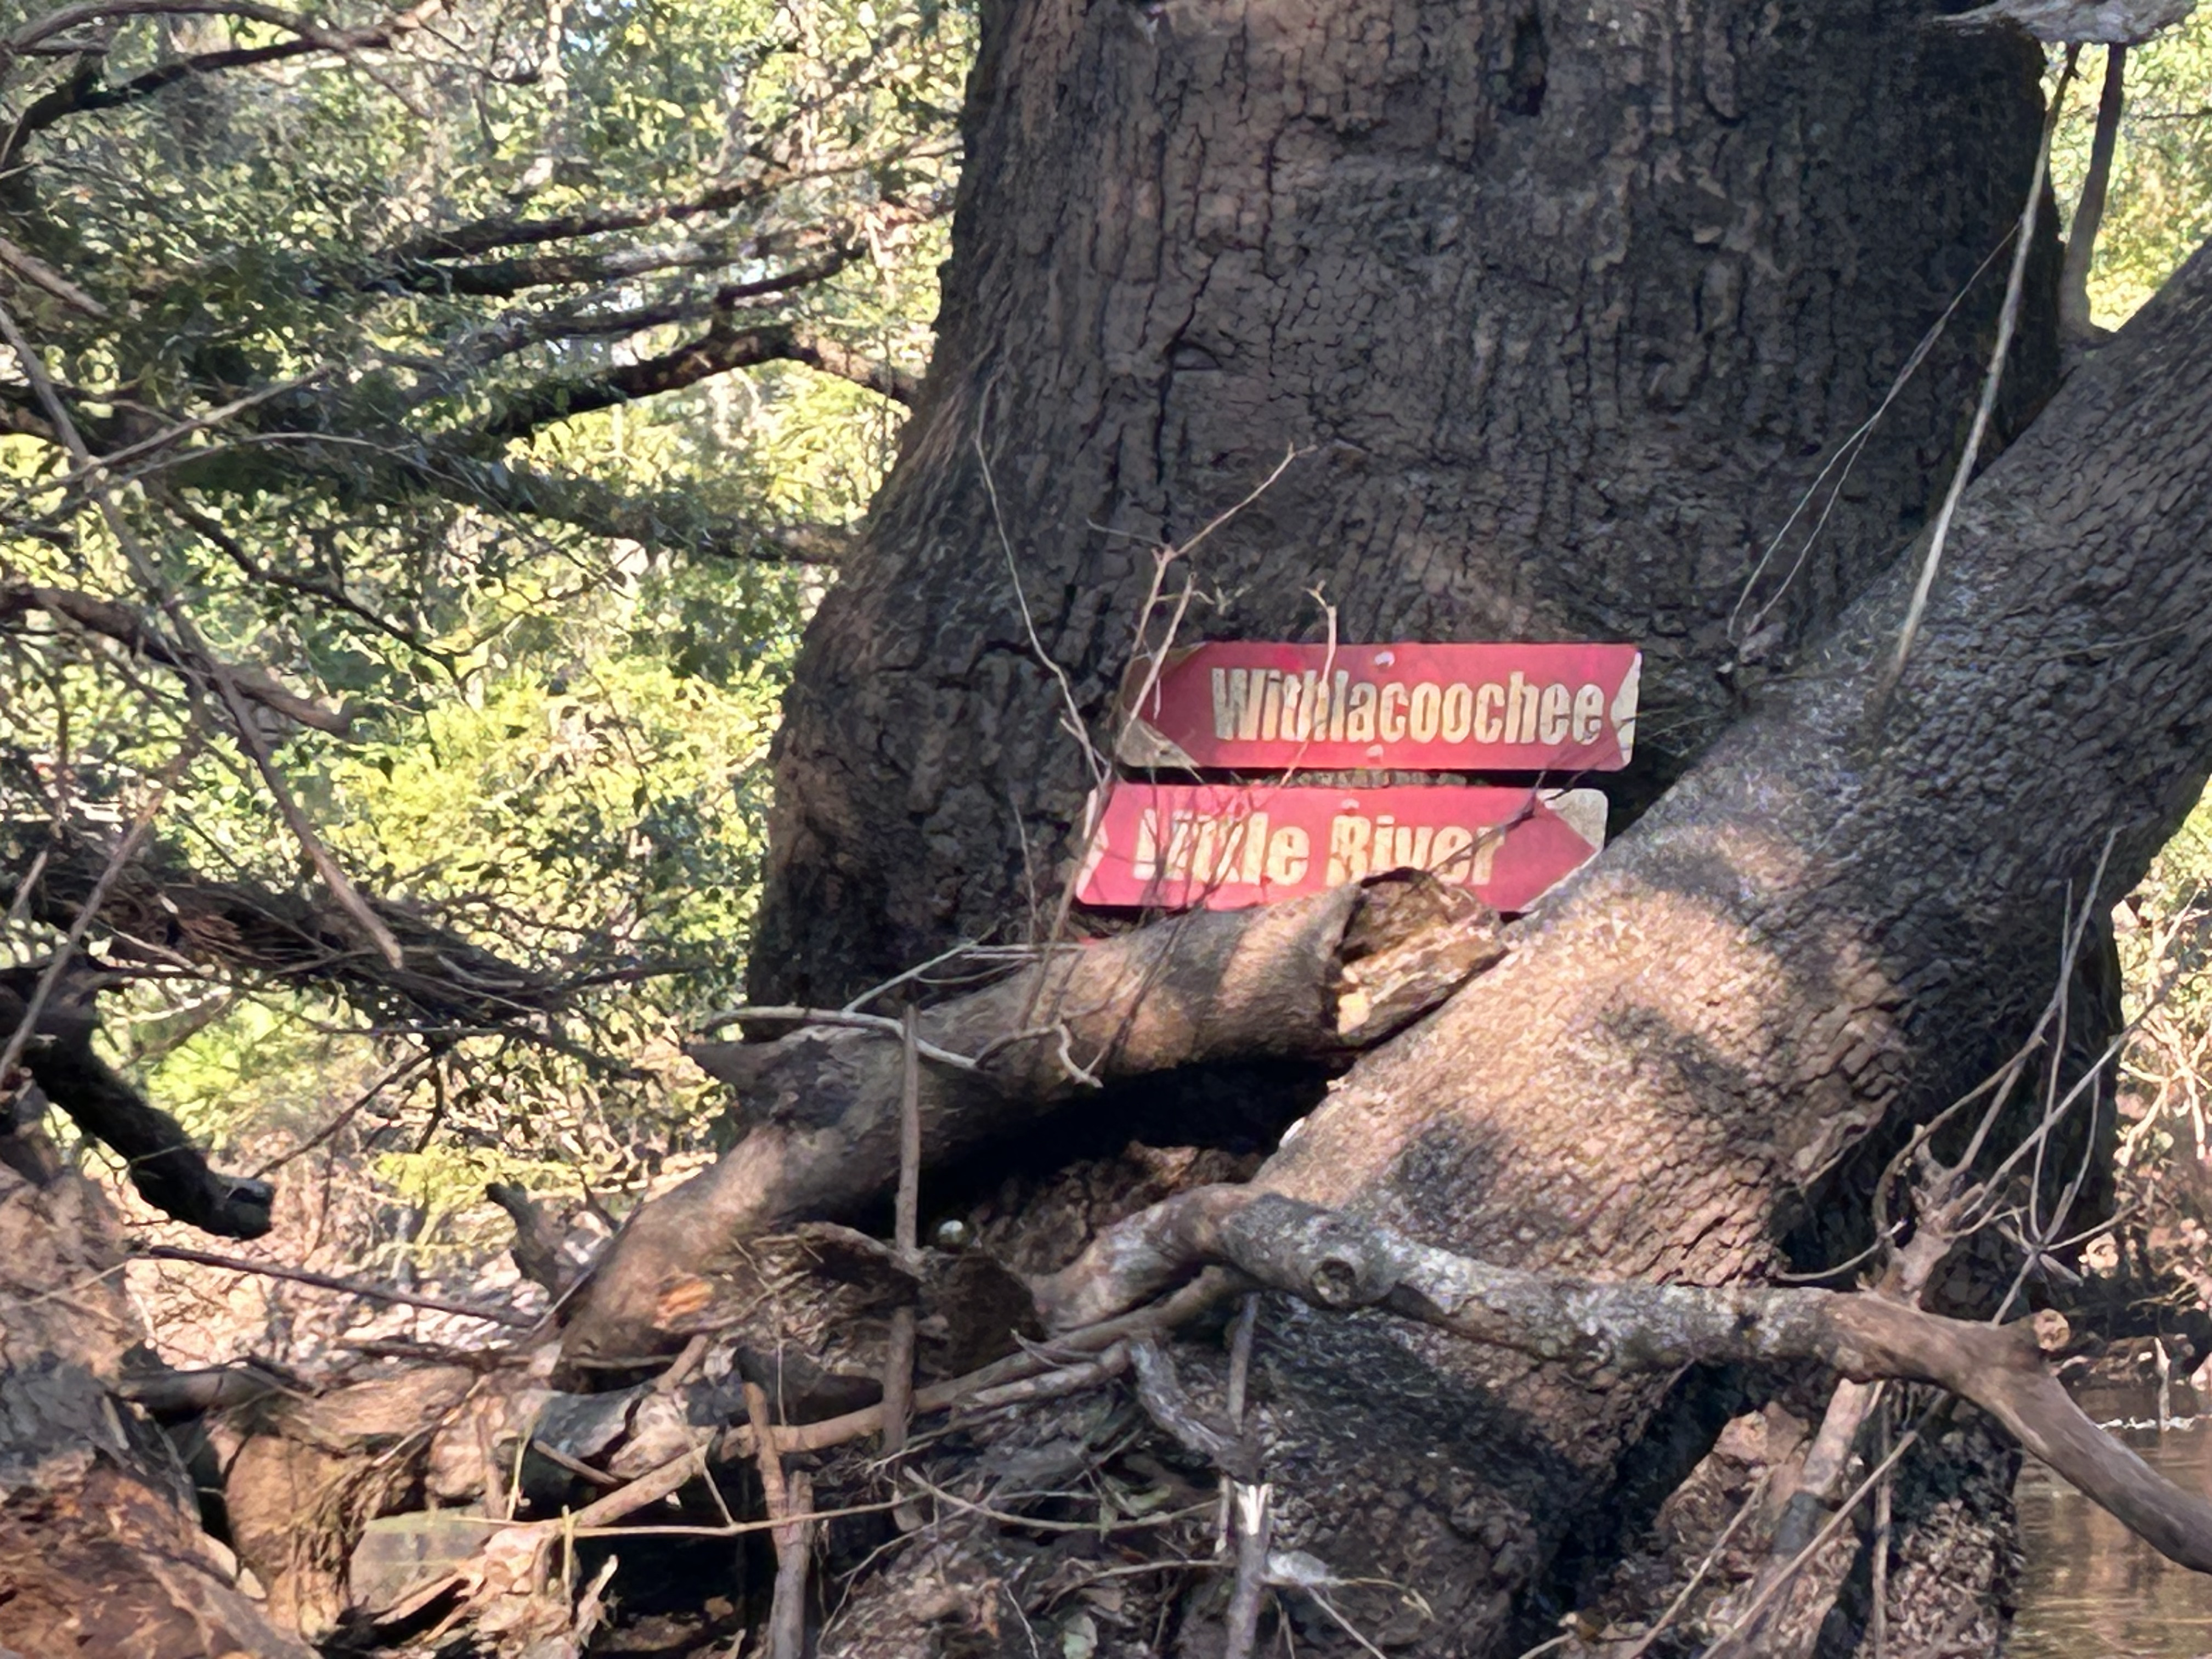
{"type": "Point", "coordinates": [2075, 327]}
{"type": "Point", "coordinates": [786, 1499]}
{"type": "Point", "coordinates": [2008, 321]}
{"type": "Point", "coordinates": [360, 1287]}
{"type": "Point", "coordinates": [1820, 1538]}
{"type": "Point", "coordinates": [898, 1357]}
{"type": "Point", "coordinates": [142, 823]}
{"type": "Point", "coordinates": [226, 684]}
{"type": "Point", "coordinates": [1878, 1613]}
{"type": "Point", "coordinates": [1240, 1358]}
{"type": "Point", "coordinates": [1749, 1507]}
{"type": "Point", "coordinates": [1254, 1526]}
{"type": "Point", "coordinates": [883, 1023]}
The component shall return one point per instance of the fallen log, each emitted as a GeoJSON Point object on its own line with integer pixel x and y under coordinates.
{"type": "Point", "coordinates": [1316, 978]}
{"type": "Point", "coordinates": [1619, 1327]}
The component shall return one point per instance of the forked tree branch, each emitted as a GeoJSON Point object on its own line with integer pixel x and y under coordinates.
{"type": "Point", "coordinates": [1337, 1262]}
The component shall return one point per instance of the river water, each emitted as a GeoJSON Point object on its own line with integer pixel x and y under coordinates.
{"type": "Point", "coordinates": [2094, 1589]}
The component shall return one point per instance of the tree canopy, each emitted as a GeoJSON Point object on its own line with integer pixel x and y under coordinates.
{"type": "Point", "coordinates": [487, 389]}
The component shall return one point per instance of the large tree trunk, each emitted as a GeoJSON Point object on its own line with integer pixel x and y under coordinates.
{"type": "Point", "coordinates": [1567, 307]}
{"type": "Point", "coordinates": [1846, 910]}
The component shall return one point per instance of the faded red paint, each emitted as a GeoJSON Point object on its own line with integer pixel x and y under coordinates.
{"type": "Point", "coordinates": [1226, 846]}
{"type": "Point", "coordinates": [1259, 707]}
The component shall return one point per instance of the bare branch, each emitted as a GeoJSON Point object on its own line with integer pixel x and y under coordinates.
{"type": "Point", "coordinates": [169, 1171]}
{"type": "Point", "coordinates": [35, 271]}
{"type": "Point", "coordinates": [718, 351]}
{"type": "Point", "coordinates": [131, 629]}
{"type": "Point", "coordinates": [360, 1287]}
{"type": "Point", "coordinates": [158, 908]}
{"type": "Point", "coordinates": [1337, 1262]}
{"type": "Point", "coordinates": [668, 519]}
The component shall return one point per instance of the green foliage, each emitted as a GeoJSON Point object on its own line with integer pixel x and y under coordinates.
{"type": "Point", "coordinates": [357, 329]}
{"type": "Point", "coordinates": [2160, 207]}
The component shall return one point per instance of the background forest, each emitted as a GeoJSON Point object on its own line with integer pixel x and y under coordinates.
{"type": "Point", "coordinates": [506, 395]}
{"type": "Point", "coordinates": [508, 499]}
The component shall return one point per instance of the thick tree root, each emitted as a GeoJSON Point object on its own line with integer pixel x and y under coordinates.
{"type": "Point", "coordinates": [1316, 978]}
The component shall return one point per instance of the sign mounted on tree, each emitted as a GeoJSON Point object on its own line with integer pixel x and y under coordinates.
{"type": "Point", "coordinates": [1255, 706]}
{"type": "Point", "coordinates": [1180, 846]}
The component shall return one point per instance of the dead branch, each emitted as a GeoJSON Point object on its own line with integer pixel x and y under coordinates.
{"type": "Point", "coordinates": [136, 632]}
{"type": "Point", "coordinates": [1931, 555]}
{"type": "Point", "coordinates": [169, 1171]}
{"type": "Point", "coordinates": [361, 1287]}
{"type": "Point", "coordinates": [2075, 330]}
{"type": "Point", "coordinates": [537, 1251]}
{"type": "Point", "coordinates": [898, 1355]}
{"type": "Point", "coordinates": [1316, 978]}
{"type": "Point", "coordinates": [160, 908]}
{"type": "Point", "coordinates": [785, 1499]}
{"type": "Point", "coordinates": [1337, 1262]}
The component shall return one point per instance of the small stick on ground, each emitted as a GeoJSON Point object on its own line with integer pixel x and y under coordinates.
{"type": "Point", "coordinates": [360, 1287]}
{"type": "Point", "coordinates": [786, 1620]}
{"type": "Point", "coordinates": [906, 1226]}
{"type": "Point", "coordinates": [1254, 1523]}
{"type": "Point", "coordinates": [1878, 1611]}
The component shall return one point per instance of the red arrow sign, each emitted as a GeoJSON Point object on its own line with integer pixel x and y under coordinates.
{"type": "Point", "coordinates": [1259, 707]}
{"type": "Point", "coordinates": [1176, 847]}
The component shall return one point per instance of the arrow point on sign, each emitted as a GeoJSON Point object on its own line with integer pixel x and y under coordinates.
{"type": "Point", "coordinates": [1144, 746]}
{"type": "Point", "coordinates": [1582, 811]}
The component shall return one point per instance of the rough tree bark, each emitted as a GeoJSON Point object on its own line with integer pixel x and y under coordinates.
{"type": "Point", "coordinates": [100, 1545]}
{"type": "Point", "coordinates": [1567, 305]}
{"type": "Point", "coordinates": [1567, 308]}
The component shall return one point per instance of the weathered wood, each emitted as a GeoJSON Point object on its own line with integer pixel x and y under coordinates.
{"type": "Point", "coordinates": [100, 1545]}
{"type": "Point", "coordinates": [1315, 978]}
{"type": "Point", "coordinates": [170, 1172]}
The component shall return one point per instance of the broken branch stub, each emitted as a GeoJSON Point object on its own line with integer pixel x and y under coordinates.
{"type": "Point", "coordinates": [1316, 978]}
{"type": "Point", "coordinates": [1336, 1262]}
